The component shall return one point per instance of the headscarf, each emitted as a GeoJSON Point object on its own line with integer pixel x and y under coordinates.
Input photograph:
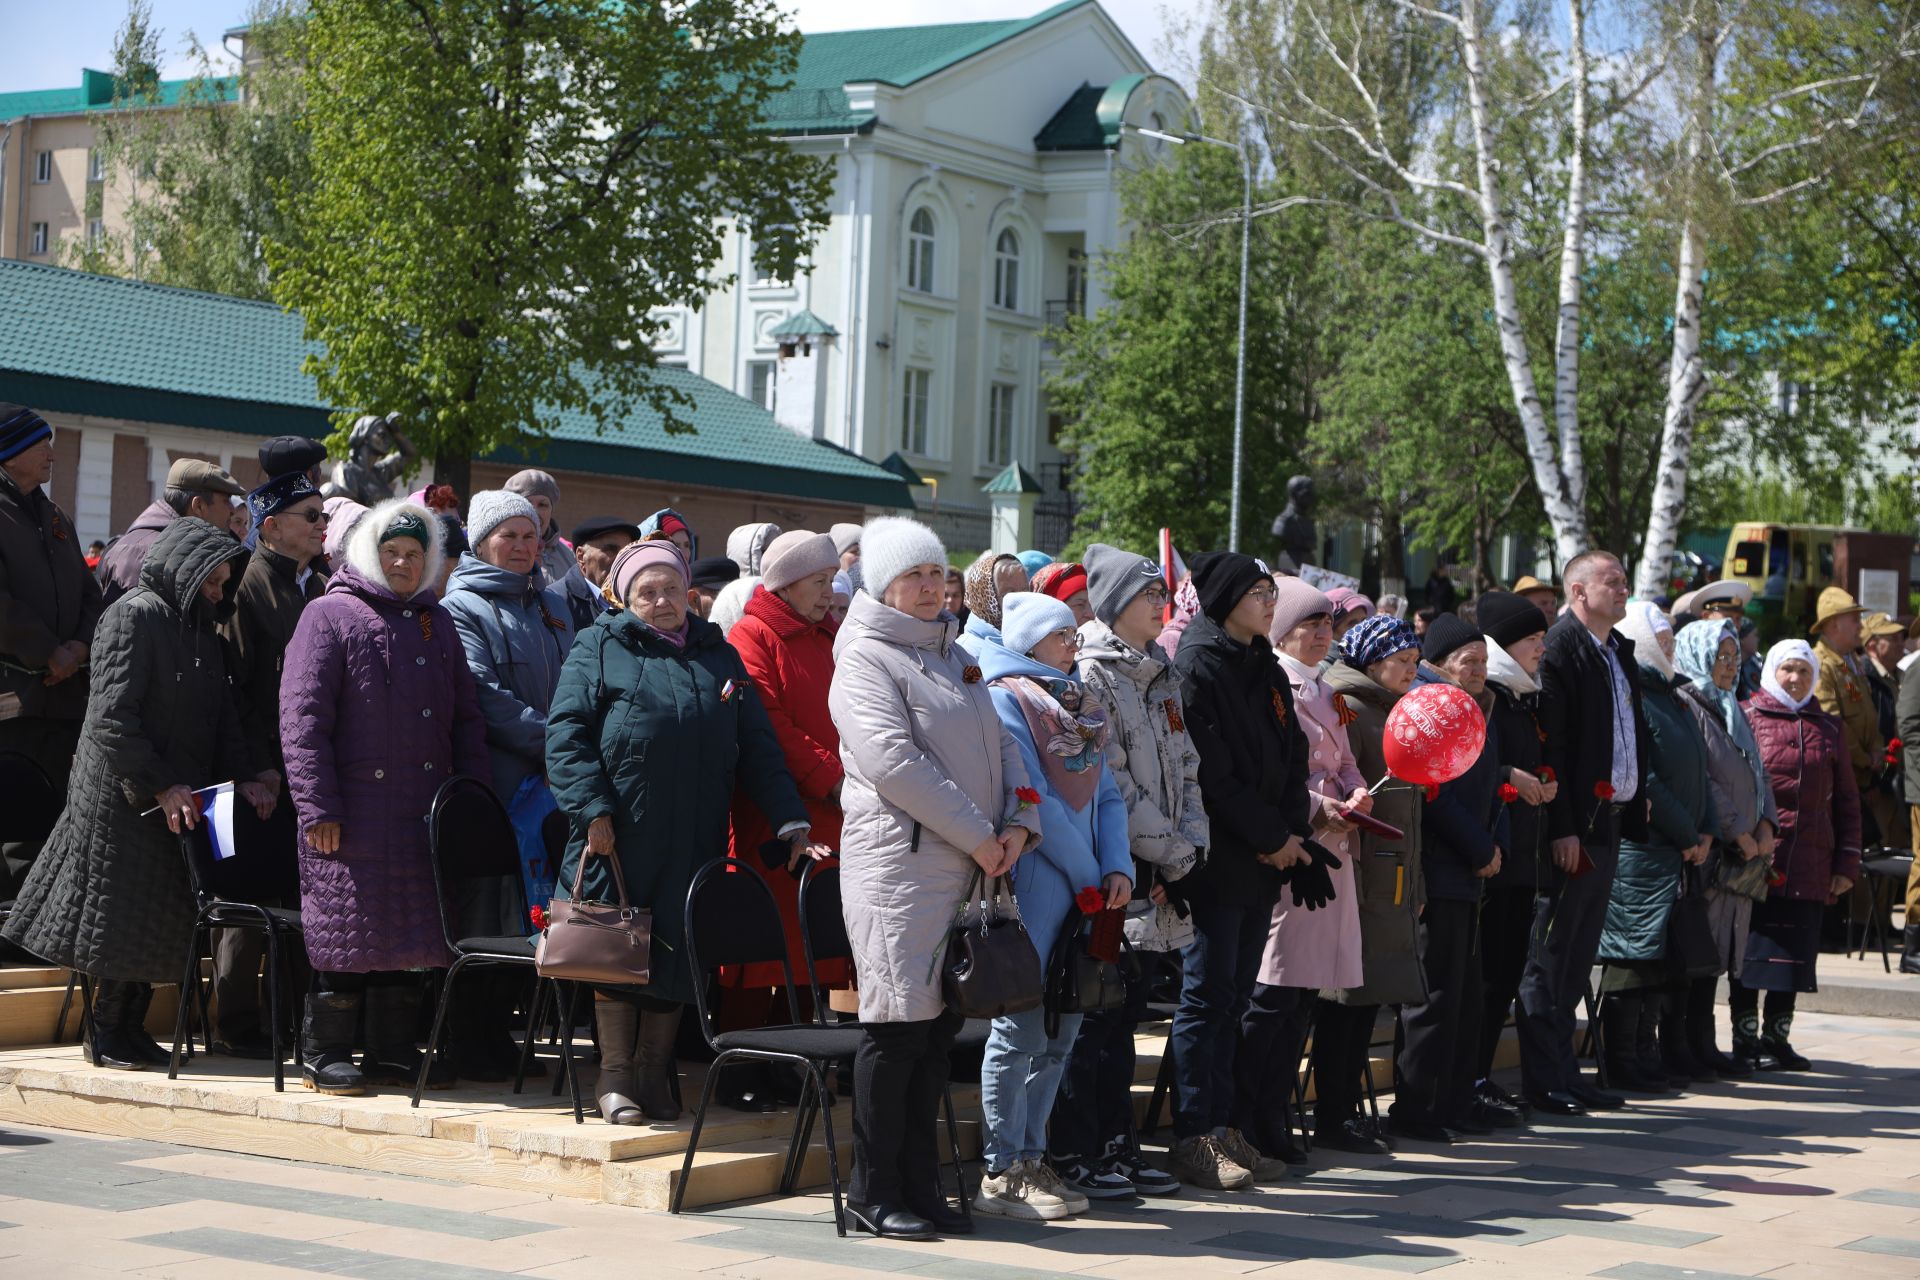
{"type": "Point", "coordinates": [628, 565]}
{"type": "Point", "coordinates": [1069, 729]}
{"type": "Point", "coordinates": [1644, 625]}
{"type": "Point", "coordinates": [983, 601]}
{"type": "Point", "coordinates": [1694, 650]}
{"type": "Point", "coordinates": [1376, 638]}
{"type": "Point", "coordinates": [1787, 651]}
{"type": "Point", "coordinates": [342, 515]}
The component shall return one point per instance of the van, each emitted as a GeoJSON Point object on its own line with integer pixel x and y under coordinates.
{"type": "Point", "coordinates": [1789, 565]}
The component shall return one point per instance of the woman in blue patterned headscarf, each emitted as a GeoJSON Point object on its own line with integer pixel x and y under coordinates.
{"type": "Point", "coordinates": [1707, 654]}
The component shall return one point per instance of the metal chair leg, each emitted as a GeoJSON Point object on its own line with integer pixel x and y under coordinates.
{"type": "Point", "coordinates": [189, 985]}
{"type": "Point", "coordinates": [699, 1122]}
{"type": "Point", "coordinates": [275, 967]}
{"type": "Point", "coordinates": [953, 1147]}
{"type": "Point", "coordinates": [819, 1083]}
{"type": "Point", "coordinates": [534, 1006]}
{"type": "Point", "coordinates": [1162, 1086]}
{"type": "Point", "coordinates": [66, 1003]}
{"type": "Point", "coordinates": [439, 1025]}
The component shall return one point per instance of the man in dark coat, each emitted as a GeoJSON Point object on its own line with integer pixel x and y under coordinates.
{"type": "Point", "coordinates": [109, 895]}
{"type": "Point", "coordinates": [1253, 781]}
{"type": "Point", "coordinates": [1907, 723]}
{"type": "Point", "coordinates": [49, 604]}
{"type": "Point", "coordinates": [194, 487]}
{"type": "Point", "coordinates": [285, 571]}
{"type": "Point", "coordinates": [1596, 744]}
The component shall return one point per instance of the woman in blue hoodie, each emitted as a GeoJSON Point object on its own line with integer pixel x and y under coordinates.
{"type": "Point", "coordinates": [1062, 734]}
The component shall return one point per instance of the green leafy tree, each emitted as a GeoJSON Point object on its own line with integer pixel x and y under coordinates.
{"type": "Point", "coordinates": [502, 193]}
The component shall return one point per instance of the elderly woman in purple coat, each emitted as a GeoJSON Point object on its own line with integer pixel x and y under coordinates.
{"type": "Point", "coordinates": [377, 710]}
{"type": "Point", "coordinates": [1306, 950]}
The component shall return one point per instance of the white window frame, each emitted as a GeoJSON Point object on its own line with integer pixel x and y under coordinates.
{"type": "Point", "coordinates": [96, 232]}
{"type": "Point", "coordinates": [1006, 270]}
{"type": "Point", "coordinates": [96, 165]}
{"type": "Point", "coordinates": [923, 250]}
{"type": "Point", "coordinates": [767, 395]}
{"type": "Point", "coordinates": [924, 403]}
{"type": "Point", "coordinates": [1003, 415]}
{"type": "Point", "coordinates": [42, 167]}
{"type": "Point", "coordinates": [42, 237]}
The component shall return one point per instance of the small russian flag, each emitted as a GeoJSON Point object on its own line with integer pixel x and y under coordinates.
{"type": "Point", "coordinates": [216, 806]}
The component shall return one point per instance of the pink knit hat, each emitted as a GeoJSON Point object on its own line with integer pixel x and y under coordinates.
{"type": "Point", "coordinates": [636, 557]}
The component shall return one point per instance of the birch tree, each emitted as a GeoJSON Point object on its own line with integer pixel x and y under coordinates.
{"type": "Point", "coordinates": [1770, 100]}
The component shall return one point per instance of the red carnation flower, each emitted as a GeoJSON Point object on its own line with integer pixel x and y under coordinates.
{"type": "Point", "coordinates": [1026, 795]}
{"type": "Point", "coordinates": [1090, 901]}
{"type": "Point", "coordinates": [1546, 773]}
{"type": "Point", "coordinates": [539, 917]}
{"type": "Point", "coordinates": [1508, 793]}
{"type": "Point", "coordinates": [1603, 790]}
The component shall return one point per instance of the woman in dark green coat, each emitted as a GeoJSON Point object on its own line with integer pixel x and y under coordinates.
{"type": "Point", "coordinates": [1652, 872]}
{"type": "Point", "coordinates": [653, 725]}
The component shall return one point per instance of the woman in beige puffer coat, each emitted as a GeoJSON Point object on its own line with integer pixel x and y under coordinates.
{"type": "Point", "coordinates": [929, 797]}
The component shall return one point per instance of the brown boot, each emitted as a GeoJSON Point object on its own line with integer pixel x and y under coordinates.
{"type": "Point", "coordinates": [657, 1065]}
{"type": "Point", "coordinates": [618, 1024]}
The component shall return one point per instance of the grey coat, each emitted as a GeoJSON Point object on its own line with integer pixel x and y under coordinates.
{"type": "Point", "coordinates": [108, 895]}
{"type": "Point", "coordinates": [930, 775]}
{"type": "Point", "coordinates": [516, 631]}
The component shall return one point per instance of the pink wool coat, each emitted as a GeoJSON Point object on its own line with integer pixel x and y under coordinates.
{"type": "Point", "coordinates": [1319, 949]}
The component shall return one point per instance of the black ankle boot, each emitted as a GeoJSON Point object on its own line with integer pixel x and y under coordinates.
{"type": "Point", "coordinates": [1622, 1015]}
{"type": "Point", "coordinates": [1700, 1033]}
{"type": "Point", "coordinates": [1677, 1058]}
{"type": "Point", "coordinates": [110, 1044]}
{"type": "Point", "coordinates": [392, 1056]}
{"type": "Point", "coordinates": [1910, 949]}
{"type": "Point", "coordinates": [1775, 1042]}
{"type": "Point", "coordinates": [332, 1026]}
{"type": "Point", "coordinates": [142, 1043]}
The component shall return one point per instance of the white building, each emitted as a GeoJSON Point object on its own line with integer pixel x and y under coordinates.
{"type": "Point", "coordinates": [975, 169]}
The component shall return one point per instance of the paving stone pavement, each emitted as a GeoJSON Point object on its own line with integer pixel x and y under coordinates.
{"type": "Point", "coordinates": [1792, 1177]}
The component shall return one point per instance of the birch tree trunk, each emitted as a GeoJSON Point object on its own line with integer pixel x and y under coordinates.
{"type": "Point", "coordinates": [1566, 355]}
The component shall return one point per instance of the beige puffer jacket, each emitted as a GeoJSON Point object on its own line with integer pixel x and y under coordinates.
{"type": "Point", "coordinates": [930, 774]}
{"type": "Point", "coordinates": [1157, 768]}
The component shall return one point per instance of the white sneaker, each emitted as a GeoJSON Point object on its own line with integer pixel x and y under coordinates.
{"type": "Point", "coordinates": [1043, 1175]}
{"type": "Point", "coordinates": [1012, 1194]}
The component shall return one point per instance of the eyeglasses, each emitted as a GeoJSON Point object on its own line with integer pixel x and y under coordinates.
{"type": "Point", "coordinates": [1265, 595]}
{"type": "Point", "coordinates": [1069, 638]}
{"type": "Point", "coordinates": [1156, 595]}
{"type": "Point", "coordinates": [1726, 659]}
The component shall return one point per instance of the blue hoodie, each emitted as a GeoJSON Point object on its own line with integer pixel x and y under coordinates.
{"type": "Point", "coordinates": [1076, 849]}
{"type": "Point", "coordinates": [978, 635]}
{"type": "Point", "coordinates": [515, 653]}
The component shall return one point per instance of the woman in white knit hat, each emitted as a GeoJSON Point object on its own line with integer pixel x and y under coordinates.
{"type": "Point", "coordinates": [929, 797]}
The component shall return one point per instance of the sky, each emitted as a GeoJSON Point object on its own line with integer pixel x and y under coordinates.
{"type": "Point", "coordinates": [44, 46]}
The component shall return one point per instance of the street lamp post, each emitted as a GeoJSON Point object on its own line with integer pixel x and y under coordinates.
{"type": "Point", "coordinates": [1240, 359]}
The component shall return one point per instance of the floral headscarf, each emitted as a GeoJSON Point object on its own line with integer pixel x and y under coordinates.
{"type": "Point", "coordinates": [983, 601]}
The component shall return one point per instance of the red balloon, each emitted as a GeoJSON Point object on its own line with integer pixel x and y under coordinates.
{"type": "Point", "coordinates": [1434, 734]}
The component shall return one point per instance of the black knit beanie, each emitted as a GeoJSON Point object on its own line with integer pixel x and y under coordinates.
{"type": "Point", "coordinates": [1220, 578]}
{"type": "Point", "coordinates": [1445, 634]}
{"type": "Point", "coordinates": [1508, 618]}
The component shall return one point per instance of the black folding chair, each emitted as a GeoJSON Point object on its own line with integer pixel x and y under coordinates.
{"type": "Point", "coordinates": [28, 817]}
{"type": "Point", "coordinates": [223, 892]}
{"type": "Point", "coordinates": [1885, 871]}
{"type": "Point", "coordinates": [1159, 1011]}
{"type": "Point", "coordinates": [731, 920]}
{"type": "Point", "coordinates": [823, 936]}
{"type": "Point", "coordinates": [471, 838]}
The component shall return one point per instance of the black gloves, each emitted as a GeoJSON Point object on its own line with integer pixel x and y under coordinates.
{"type": "Point", "coordinates": [1176, 891]}
{"type": "Point", "coordinates": [1312, 881]}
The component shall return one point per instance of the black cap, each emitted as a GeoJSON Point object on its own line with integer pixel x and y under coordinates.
{"type": "Point", "coordinates": [593, 526]}
{"type": "Point", "coordinates": [1220, 578]}
{"type": "Point", "coordinates": [713, 571]}
{"type": "Point", "coordinates": [283, 455]}
{"type": "Point", "coordinates": [1447, 633]}
{"type": "Point", "coordinates": [1507, 617]}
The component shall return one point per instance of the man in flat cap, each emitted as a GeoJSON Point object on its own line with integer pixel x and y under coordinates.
{"type": "Point", "coordinates": [194, 488]}
{"type": "Point", "coordinates": [49, 604]}
{"type": "Point", "coordinates": [597, 540]}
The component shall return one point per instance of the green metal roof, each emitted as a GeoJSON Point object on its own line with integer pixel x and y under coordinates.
{"type": "Point", "coordinates": [1015, 479]}
{"type": "Point", "coordinates": [1090, 119]}
{"type": "Point", "coordinates": [804, 324]}
{"type": "Point", "coordinates": [94, 94]}
{"type": "Point", "coordinates": [816, 101]}
{"type": "Point", "coordinates": [126, 349]}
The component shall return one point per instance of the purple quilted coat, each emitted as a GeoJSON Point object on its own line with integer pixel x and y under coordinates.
{"type": "Point", "coordinates": [377, 709]}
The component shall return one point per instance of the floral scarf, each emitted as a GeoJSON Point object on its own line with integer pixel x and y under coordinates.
{"type": "Point", "coordinates": [1069, 733]}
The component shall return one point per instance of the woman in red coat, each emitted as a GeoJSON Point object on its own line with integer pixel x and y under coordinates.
{"type": "Point", "coordinates": [786, 641]}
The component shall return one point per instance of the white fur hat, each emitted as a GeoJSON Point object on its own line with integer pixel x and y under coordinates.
{"type": "Point", "coordinates": [370, 530]}
{"type": "Point", "coordinates": [891, 545]}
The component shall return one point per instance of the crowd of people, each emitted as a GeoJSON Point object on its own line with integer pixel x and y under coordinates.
{"type": "Point", "coordinates": [1203, 769]}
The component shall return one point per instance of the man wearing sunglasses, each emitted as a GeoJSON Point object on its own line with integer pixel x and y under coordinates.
{"type": "Point", "coordinates": [286, 571]}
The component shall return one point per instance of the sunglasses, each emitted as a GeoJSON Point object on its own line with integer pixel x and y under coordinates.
{"type": "Point", "coordinates": [311, 517]}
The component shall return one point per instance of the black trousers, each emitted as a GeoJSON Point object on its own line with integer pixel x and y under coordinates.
{"type": "Point", "coordinates": [49, 744]}
{"type": "Point", "coordinates": [899, 1076]}
{"type": "Point", "coordinates": [1567, 918]}
{"type": "Point", "coordinates": [1442, 1037]}
{"type": "Point", "coordinates": [1342, 1041]}
{"type": "Point", "coordinates": [1506, 926]}
{"type": "Point", "coordinates": [1095, 1104]}
{"type": "Point", "coordinates": [1266, 1069]}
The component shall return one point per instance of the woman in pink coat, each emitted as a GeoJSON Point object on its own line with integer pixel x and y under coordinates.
{"type": "Point", "coordinates": [1307, 951]}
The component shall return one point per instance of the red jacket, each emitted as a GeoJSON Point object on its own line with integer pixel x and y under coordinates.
{"type": "Point", "coordinates": [791, 662]}
{"type": "Point", "coordinates": [1806, 757]}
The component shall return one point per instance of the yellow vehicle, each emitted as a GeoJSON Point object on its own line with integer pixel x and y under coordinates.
{"type": "Point", "coordinates": [1788, 565]}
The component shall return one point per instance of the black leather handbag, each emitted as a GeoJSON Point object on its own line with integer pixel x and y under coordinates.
{"type": "Point", "coordinates": [1076, 981]}
{"type": "Point", "coordinates": [991, 966]}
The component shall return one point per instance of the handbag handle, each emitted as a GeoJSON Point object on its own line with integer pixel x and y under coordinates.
{"type": "Point", "coordinates": [619, 880]}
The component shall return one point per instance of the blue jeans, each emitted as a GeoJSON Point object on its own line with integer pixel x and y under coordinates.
{"type": "Point", "coordinates": [1216, 986]}
{"type": "Point", "coordinates": [1018, 1079]}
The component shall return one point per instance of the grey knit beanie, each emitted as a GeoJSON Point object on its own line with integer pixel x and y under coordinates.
{"type": "Point", "coordinates": [1114, 578]}
{"type": "Point", "coordinates": [492, 506]}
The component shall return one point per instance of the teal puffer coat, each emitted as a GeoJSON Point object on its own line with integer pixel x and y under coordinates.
{"type": "Point", "coordinates": [657, 737]}
{"type": "Point", "coordinates": [1648, 881]}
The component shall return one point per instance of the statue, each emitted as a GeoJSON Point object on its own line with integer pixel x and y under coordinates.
{"type": "Point", "coordinates": [378, 454]}
{"type": "Point", "coordinates": [1299, 540]}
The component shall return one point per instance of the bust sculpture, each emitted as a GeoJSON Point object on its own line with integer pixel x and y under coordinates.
{"type": "Point", "coordinates": [1299, 540]}
{"type": "Point", "coordinates": [378, 453]}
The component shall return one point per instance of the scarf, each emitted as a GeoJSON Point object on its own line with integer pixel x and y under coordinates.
{"type": "Point", "coordinates": [1644, 625]}
{"type": "Point", "coordinates": [1306, 679]}
{"type": "Point", "coordinates": [1694, 650]}
{"type": "Point", "coordinates": [1787, 651]}
{"type": "Point", "coordinates": [1508, 674]}
{"type": "Point", "coordinates": [1069, 733]}
{"type": "Point", "coordinates": [983, 601]}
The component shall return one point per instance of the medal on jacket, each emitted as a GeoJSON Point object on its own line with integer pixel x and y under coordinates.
{"type": "Point", "coordinates": [59, 526]}
{"type": "Point", "coordinates": [1279, 707]}
{"type": "Point", "coordinates": [1174, 722]}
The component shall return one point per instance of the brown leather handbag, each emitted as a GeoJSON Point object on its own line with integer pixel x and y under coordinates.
{"type": "Point", "coordinates": [602, 942]}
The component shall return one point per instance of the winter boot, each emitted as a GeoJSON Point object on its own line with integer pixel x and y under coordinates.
{"type": "Point", "coordinates": [1747, 1049]}
{"type": "Point", "coordinates": [1700, 1032]}
{"type": "Point", "coordinates": [110, 1044]}
{"type": "Point", "coordinates": [141, 1041]}
{"type": "Point", "coordinates": [393, 1022]}
{"type": "Point", "coordinates": [333, 1024]}
{"type": "Point", "coordinates": [618, 1025]}
{"type": "Point", "coordinates": [657, 1066]}
{"type": "Point", "coordinates": [1676, 1040]}
{"type": "Point", "coordinates": [1775, 1042]}
{"type": "Point", "coordinates": [1910, 949]}
{"type": "Point", "coordinates": [1620, 1018]}
{"type": "Point", "coordinates": [1647, 1045]}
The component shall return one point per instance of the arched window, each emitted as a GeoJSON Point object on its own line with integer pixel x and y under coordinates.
{"type": "Point", "coordinates": [1006, 271]}
{"type": "Point", "coordinates": [920, 251]}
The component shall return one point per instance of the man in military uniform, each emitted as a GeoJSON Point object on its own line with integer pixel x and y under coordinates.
{"type": "Point", "coordinates": [1844, 691]}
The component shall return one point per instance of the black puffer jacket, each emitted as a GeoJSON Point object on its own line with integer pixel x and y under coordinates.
{"type": "Point", "coordinates": [1465, 821]}
{"type": "Point", "coordinates": [1515, 719]}
{"type": "Point", "coordinates": [108, 895]}
{"type": "Point", "coordinates": [1253, 760]}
